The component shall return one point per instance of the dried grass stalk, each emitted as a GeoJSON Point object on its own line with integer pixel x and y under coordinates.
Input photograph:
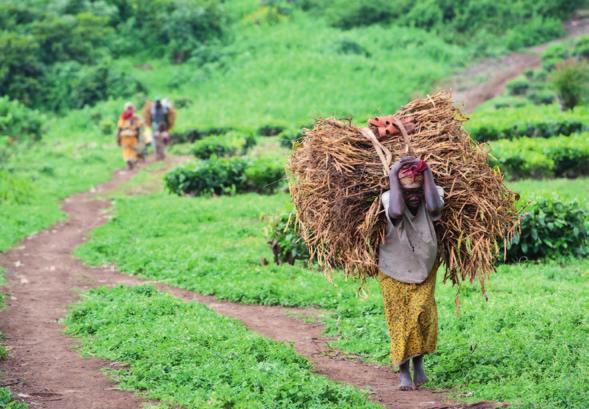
{"type": "Point", "coordinates": [337, 179]}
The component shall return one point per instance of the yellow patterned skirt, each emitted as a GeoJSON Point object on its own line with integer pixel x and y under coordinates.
{"type": "Point", "coordinates": [129, 146]}
{"type": "Point", "coordinates": [412, 316]}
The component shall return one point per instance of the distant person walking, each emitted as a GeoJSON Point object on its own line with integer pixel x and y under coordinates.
{"type": "Point", "coordinates": [160, 116]}
{"type": "Point", "coordinates": [128, 132]}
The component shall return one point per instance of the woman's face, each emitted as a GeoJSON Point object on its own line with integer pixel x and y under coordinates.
{"type": "Point", "coordinates": [410, 179]}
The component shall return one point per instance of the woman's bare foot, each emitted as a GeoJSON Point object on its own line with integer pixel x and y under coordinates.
{"type": "Point", "coordinates": [419, 377]}
{"type": "Point", "coordinates": [405, 374]}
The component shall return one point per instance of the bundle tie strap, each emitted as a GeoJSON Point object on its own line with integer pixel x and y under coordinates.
{"type": "Point", "coordinates": [408, 149]}
{"type": "Point", "coordinates": [385, 156]}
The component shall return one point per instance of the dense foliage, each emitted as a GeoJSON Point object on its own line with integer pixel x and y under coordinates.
{"type": "Point", "coordinates": [230, 144]}
{"type": "Point", "coordinates": [563, 156]}
{"type": "Point", "coordinates": [213, 176]}
{"type": "Point", "coordinates": [465, 22]}
{"type": "Point", "coordinates": [285, 240]}
{"type": "Point", "coordinates": [532, 121]}
{"type": "Point", "coordinates": [50, 49]}
{"type": "Point", "coordinates": [18, 123]}
{"type": "Point", "coordinates": [220, 176]}
{"type": "Point", "coordinates": [186, 354]}
{"type": "Point", "coordinates": [551, 228]}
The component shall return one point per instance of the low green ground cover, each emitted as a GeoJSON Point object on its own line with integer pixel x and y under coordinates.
{"type": "Point", "coordinates": [565, 189]}
{"type": "Point", "coordinates": [533, 121]}
{"type": "Point", "coordinates": [73, 156]}
{"type": "Point", "coordinates": [185, 354]}
{"type": "Point", "coordinates": [533, 321]}
{"type": "Point", "coordinates": [560, 156]}
{"type": "Point", "coordinates": [526, 345]}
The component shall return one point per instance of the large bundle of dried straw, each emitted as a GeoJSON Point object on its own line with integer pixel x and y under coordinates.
{"type": "Point", "coordinates": [338, 177]}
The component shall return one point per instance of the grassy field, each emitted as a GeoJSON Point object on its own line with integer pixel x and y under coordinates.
{"type": "Point", "coordinates": [73, 156]}
{"type": "Point", "coordinates": [185, 354]}
{"type": "Point", "coordinates": [530, 336]}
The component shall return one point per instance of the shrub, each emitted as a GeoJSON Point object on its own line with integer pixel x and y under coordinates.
{"type": "Point", "coordinates": [214, 145]}
{"type": "Point", "coordinates": [570, 160]}
{"type": "Point", "coordinates": [191, 135]}
{"type": "Point", "coordinates": [581, 49]}
{"type": "Point", "coordinates": [541, 97]}
{"type": "Point", "coordinates": [213, 176]}
{"type": "Point", "coordinates": [175, 27]}
{"type": "Point", "coordinates": [571, 81]}
{"type": "Point", "coordinates": [19, 122]}
{"type": "Point", "coordinates": [285, 241]}
{"type": "Point", "coordinates": [289, 138]}
{"type": "Point", "coordinates": [524, 164]}
{"type": "Point", "coordinates": [518, 86]}
{"type": "Point", "coordinates": [15, 189]}
{"type": "Point", "coordinates": [550, 228]}
{"type": "Point", "coordinates": [71, 85]}
{"type": "Point", "coordinates": [540, 158]}
{"type": "Point", "coordinates": [226, 176]}
{"type": "Point", "coordinates": [271, 130]}
{"type": "Point", "coordinates": [107, 126]}
{"type": "Point", "coordinates": [265, 175]}
{"type": "Point", "coordinates": [226, 145]}
{"type": "Point", "coordinates": [532, 121]}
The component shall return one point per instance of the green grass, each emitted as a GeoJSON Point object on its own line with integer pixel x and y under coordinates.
{"type": "Point", "coordinates": [185, 354]}
{"type": "Point", "coordinates": [72, 157]}
{"type": "Point", "coordinates": [526, 345]}
{"type": "Point", "coordinates": [214, 246]}
{"type": "Point", "coordinates": [295, 71]}
{"type": "Point", "coordinates": [564, 189]}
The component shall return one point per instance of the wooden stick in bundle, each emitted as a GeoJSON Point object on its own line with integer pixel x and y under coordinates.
{"type": "Point", "coordinates": [339, 173]}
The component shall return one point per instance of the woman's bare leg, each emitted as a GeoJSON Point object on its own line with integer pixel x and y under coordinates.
{"type": "Point", "coordinates": [419, 377]}
{"type": "Point", "coordinates": [405, 374]}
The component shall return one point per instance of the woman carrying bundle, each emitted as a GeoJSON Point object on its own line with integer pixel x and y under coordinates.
{"type": "Point", "coordinates": [408, 263]}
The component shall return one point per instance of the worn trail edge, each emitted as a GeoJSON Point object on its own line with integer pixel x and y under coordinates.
{"type": "Point", "coordinates": [43, 279]}
{"type": "Point", "coordinates": [44, 368]}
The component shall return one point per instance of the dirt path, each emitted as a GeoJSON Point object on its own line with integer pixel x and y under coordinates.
{"type": "Point", "coordinates": [44, 278]}
{"type": "Point", "coordinates": [487, 79]}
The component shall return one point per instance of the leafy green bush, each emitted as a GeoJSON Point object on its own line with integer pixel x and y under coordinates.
{"type": "Point", "coordinates": [19, 122]}
{"type": "Point", "coordinates": [532, 121]}
{"type": "Point", "coordinates": [71, 85]}
{"type": "Point", "coordinates": [214, 145]}
{"type": "Point", "coordinates": [212, 176]}
{"type": "Point", "coordinates": [231, 144]}
{"type": "Point", "coordinates": [15, 189]}
{"type": "Point", "coordinates": [571, 80]}
{"type": "Point", "coordinates": [564, 156]}
{"type": "Point", "coordinates": [271, 129]}
{"type": "Point", "coordinates": [285, 241]}
{"type": "Point", "coordinates": [581, 49]}
{"type": "Point", "coordinates": [518, 86]}
{"type": "Point", "coordinates": [191, 135]}
{"type": "Point", "coordinates": [289, 138]}
{"type": "Point", "coordinates": [226, 176]}
{"type": "Point", "coordinates": [507, 24]}
{"type": "Point", "coordinates": [570, 159]}
{"type": "Point", "coordinates": [550, 228]}
{"type": "Point", "coordinates": [264, 175]}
